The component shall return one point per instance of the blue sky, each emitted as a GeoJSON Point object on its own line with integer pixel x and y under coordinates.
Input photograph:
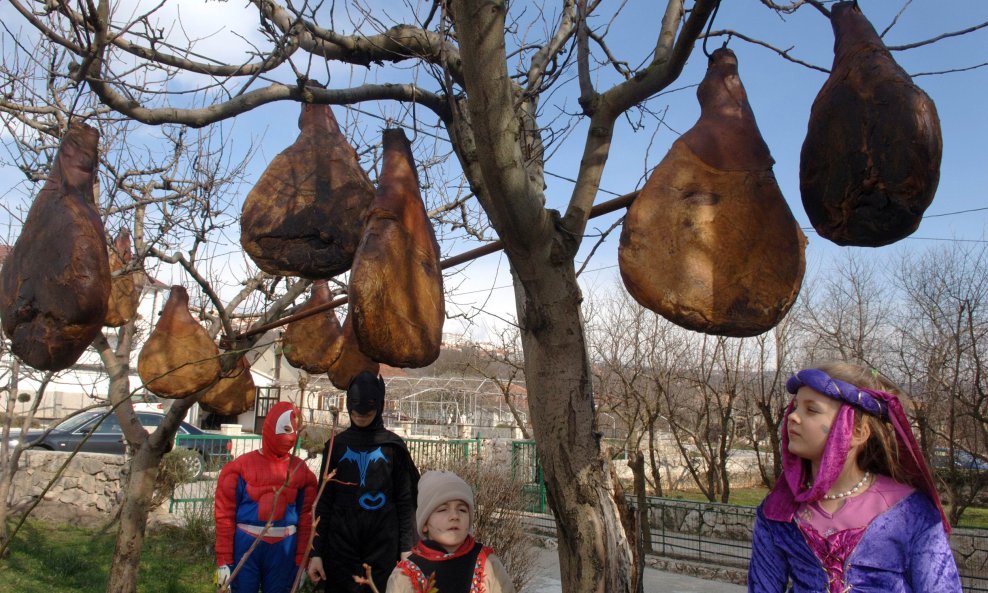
{"type": "Point", "coordinates": [780, 93]}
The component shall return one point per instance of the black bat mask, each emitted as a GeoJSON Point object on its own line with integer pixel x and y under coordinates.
{"type": "Point", "coordinates": [365, 394]}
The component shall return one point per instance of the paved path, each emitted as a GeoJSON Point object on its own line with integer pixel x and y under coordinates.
{"type": "Point", "coordinates": [547, 580]}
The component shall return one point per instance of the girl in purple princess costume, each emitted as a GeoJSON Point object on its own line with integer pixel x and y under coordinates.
{"type": "Point", "coordinates": [855, 509]}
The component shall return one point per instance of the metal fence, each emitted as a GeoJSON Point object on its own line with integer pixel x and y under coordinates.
{"type": "Point", "coordinates": [208, 453]}
{"type": "Point", "coordinates": [442, 454]}
{"type": "Point", "coordinates": [720, 535]}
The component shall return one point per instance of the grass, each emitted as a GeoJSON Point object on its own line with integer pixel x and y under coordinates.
{"type": "Point", "coordinates": [46, 558]}
{"type": "Point", "coordinates": [748, 497]}
{"type": "Point", "coordinates": [973, 517]}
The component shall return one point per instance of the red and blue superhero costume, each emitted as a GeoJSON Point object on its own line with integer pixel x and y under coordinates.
{"type": "Point", "coordinates": [258, 487]}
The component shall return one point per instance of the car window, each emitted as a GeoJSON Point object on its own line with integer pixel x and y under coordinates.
{"type": "Point", "coordinates": [109, 425]}
{"type": "Point", "coordinates": [150, 420]}
{"type": "Point", "coordinates": [71, 424]}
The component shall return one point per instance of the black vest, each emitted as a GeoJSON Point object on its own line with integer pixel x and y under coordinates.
{"type": "Point", "coordinates": [456, 574]}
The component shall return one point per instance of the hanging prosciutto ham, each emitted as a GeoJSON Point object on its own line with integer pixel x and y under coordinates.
{"type": "Point", "coordinates": [710, 243]}
{"type": "Point", "coordinates": [55, 282]}
{"type": "Point", "coordinates": [125, 289]}
{"type": "Point", "coordinates": [179, 358]}
{"type": "Point", "coordinates": [870, 162]}
{"type": "Point", "coordinates": [308, 343]}
{"type": "Point", "coordinates": [347, 359]}
{"type": "Point", "coordinates": [396, 285]}
{"type": "Point", "coordinates": [304, 217]}
{"type": "Point", "coordinates": [233, 394]}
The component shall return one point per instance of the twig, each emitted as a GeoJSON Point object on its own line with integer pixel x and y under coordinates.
{"type": "Point", "coordinates": [366, 579]}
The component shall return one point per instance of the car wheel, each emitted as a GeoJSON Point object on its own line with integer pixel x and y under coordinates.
{"type": "Point", "coordinates": [193, 466]}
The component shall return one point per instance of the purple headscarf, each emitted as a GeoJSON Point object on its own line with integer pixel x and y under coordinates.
{"type": "Point", "coordinates": [791, 490]}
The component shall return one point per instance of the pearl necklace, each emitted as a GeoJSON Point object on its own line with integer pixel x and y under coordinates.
{"type": "Point", "coordinates": [847, 493]}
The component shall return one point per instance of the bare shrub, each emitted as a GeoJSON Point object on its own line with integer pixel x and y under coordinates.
{"type": "Point", "coordinates": [176, 468]}
{"type": "Point", "coordinates": [500, 518]}
{"type": "Point", "coordinates": [312, 438]}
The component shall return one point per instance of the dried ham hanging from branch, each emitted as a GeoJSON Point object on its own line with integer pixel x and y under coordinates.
{"type": "Point", "coordinates": [233, 394]}
{"type": "Point", "coordinates": [125, 289]}
{"type": "Point", "coordinates": [710, 243]}
{"type": "Point", "coordinates": [304, 217]}
{"type": "Point", "coordinates": [179, 358]}
{"type": "Point", "coordinates": [870, 163]}
{"type": "Point", "coordinates": [308, 342]}
{"type": "Point", "coordinates": [55, 283]}
{"type": "Point", "coordinates": [396, 285]}
{"type": "Point", "coordinates": [348, 360]}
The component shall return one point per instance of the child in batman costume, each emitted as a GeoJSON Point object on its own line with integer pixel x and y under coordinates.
{"type": "Point", "coordinates": [367, 513]}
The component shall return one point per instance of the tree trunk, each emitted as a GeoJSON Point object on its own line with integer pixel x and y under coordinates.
{"type": "Point", "coordinates": [7, 457]}
{"type": "Point", "coordinates": [133, 518]}
{"type": "Point", "coordinates": [654, 458]}
{"type": "Point", "coordinates": [644, 541]}
{"type": "Point", "coordinates": [594, 552]}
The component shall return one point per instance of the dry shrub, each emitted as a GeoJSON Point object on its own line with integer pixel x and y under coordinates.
{"type": "Point", "coordinates": [174, 470]}
{"type": "Point", "coordinates": [500, 519]}
{"type": "Point", "coordinates": [312, 438]}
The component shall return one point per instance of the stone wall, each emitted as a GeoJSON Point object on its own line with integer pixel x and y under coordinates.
{"type": "Point", "coordinates": [89, 486]}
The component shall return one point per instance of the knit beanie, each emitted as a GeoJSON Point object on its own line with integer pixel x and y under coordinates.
{"type": "Point", "coordinates": [437, 488]}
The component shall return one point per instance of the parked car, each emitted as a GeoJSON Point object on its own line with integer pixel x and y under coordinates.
{"type": "Point", "coordinates": [148, 402]}
{"type": "Point", "coordinates": [963, 460]}
{"type": "Point", "coordinates": [105, 436]}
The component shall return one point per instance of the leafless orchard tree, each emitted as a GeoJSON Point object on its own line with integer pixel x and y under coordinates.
{"type": "Point", "coordinates": [944, 329]}
{"type": "Point", "coordinates": [847, 313]}
{"type": "Point", "coordinates": [773, 356]}
{"type": "Point", "coordinates": [638, 359]}
{"type": "Point", "coordinates": [173, 197]}
{"type": "Point", "coordinates": [502, 362]}
{"type": "Point", "coordinates": [482, 74]}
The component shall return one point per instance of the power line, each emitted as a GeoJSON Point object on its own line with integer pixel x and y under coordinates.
{"type": "Point", "coordinates": [953, 213]}
{"type": "Point", "coordinates": [813, 230]}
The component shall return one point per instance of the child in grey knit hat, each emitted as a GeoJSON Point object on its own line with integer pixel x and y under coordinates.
{"type": "Point", "coordinates": [448, 557]}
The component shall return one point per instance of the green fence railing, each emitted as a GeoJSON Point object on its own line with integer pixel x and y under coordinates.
{"type": "Point", "coordinates": [443, 454]}
{"type": "Point", "coordinates": [209, 453]}
{"type": "Point", "coordinates": [527, 471]}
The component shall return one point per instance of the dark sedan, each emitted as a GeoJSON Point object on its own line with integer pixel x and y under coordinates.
{"type": "Point", "coordinates": [103, 429]}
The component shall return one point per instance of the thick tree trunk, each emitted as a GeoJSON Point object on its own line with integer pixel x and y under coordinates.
{"type": "Point", "coordinates": [594, 551]}
{"type": "Point", "coordinates": [143, 470]}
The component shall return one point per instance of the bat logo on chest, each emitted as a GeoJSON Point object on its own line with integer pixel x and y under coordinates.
{"type": "Point", "coordinates": [363, 459]}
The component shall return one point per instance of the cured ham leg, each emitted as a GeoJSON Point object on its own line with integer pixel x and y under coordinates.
{"type": "Point", "coordinates": [396, 285]}
{"type": "Point", "coordinates": [348, 360]}
{"type": "Point", "coordinates": [233, 394]}
{"type": "Point", "coordinates": [710, 243]}
{"type": "Point", "coordinates": [125, 289]}
{"type": "Point", "coordinates": [870, 163]}
{"type": "Point", "coordinates": [303, 218]}
{"type": "Point", "coordinates": [55, 283]}
{"type": "Point", "coordinates": [308, 343]}
{"type": "Point", "coordinates": [179, 358]}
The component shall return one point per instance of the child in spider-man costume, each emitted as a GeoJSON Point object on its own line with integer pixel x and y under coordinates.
{"type": "Point", "coordinates": [261, 486]}
{"type": "Point", "coordinates": [367, 513]}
